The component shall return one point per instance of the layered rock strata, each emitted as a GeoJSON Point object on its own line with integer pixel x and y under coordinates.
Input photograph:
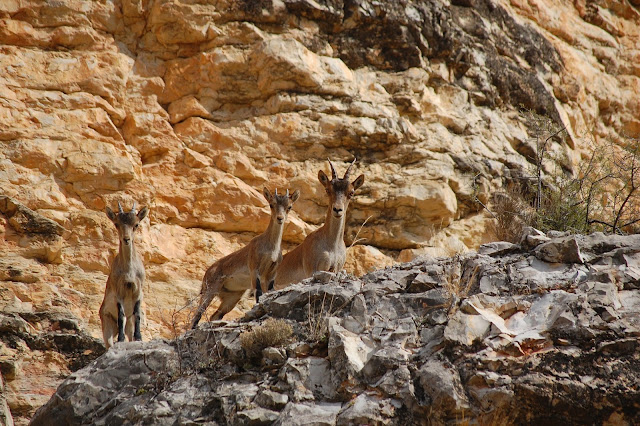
{"type": "Point", "coordinates": [191, 107]}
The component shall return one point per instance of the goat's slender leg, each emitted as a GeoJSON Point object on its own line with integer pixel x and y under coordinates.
{"type": "Point", "coordinates": [258, 289]}
{"type": "Point", "coordinates": [228, 299]}
{"type": "Point", "coordinates": [136, 313]}
{"type": "Point", "coordinates": [120, 322]}
{"type": "Point", "coordinates": [109, 329]}
{"type": "Point", "coordinates": [254, 276]}
{"type": "Point", "coordinates": [205, 301]}
{"type": "Point", "coordinates": [128, 328]}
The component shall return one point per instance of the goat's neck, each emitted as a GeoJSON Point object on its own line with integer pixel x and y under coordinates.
{"type": "Point", "coordinates": [128, 253]}
{"type": "Point", "coordinates": [333, 227]}
{"type": "Point", "coordinates": [274, 233]}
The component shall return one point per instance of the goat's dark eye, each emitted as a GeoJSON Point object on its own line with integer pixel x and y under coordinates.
{"type": "Point", "coordinates": [351, 193]}
{"type": "Point", "coordinates": [136, 226]}
{"type": "Point", "coordinates": [289, 208]}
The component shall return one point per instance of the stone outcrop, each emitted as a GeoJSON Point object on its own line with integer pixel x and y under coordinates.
{"type": "Point", "coordinates": [37, 350]}
{"type": "Point", "coordinates": [191, 107]}
{"type": "Point", "coordinates": [505, 335]}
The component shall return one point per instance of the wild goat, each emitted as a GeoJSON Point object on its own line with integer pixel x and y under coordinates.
{"type": "Point", "coordinates": [231, 276]}
{"type": "Point", "coordinates": [123, 293]}
{"type": "Point", "coordinates": [324, 248]}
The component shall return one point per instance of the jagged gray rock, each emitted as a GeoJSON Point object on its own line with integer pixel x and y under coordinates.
{"type": "Point", "coordinates": [26, 221]}
{"type": "Point", "coordinates": [515, 333]}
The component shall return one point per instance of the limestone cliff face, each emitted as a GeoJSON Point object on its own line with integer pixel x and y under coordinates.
{"type": "Point", "coordinates": [191, 107]}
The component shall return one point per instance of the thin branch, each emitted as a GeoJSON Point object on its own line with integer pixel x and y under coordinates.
{"type": "Point", "coordinates": [356, 239]}
{"type": "Point", "coordinates": [477, 200]}
{"type": "Point", "coordinates": [605, 224]}
{"type": "Point", "coordinates": [486, 208]}
{"type": "Point", "coordinates": [555, 134]}
{"type": "Point", "coordinates": [633, 170]}
{"type": "Point", "coordinates": [630, 223]}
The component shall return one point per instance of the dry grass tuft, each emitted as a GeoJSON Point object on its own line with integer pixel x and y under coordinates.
{"type": "Point", "coordinates": [512, 213]}
{"type": "Point", "coordinates": [273, 333]}
{"type": "Point", "coordinates": [317, 313]}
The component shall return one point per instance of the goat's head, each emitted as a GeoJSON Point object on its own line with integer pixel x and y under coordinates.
{"type": "Point", "coordinates": [279, 204]}
{"type": "Point", "coordinates": [127, 222]}
{"type": "Point", "coordinates": [339, 190]}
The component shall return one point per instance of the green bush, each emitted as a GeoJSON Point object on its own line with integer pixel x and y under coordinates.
{"type": "Point", "coordinates": [601, 194]}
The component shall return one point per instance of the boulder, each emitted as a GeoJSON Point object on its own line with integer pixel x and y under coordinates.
{"type": "Point", "coordinates": [562, 250]}
{"type": "Point", "coordinates": [323, 414]}
{"type": "Point", "coordinates": [441, 384]}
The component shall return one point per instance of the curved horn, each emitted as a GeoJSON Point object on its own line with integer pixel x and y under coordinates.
{"type": "Point", "coordinates": [346, 174]}
{"type": "Point", "coordinates": [333, 171]}
{"type": "Point", "coordinates": [133, 209]}
{"type": "Point", "coordinates": [120, 207]}
{"type": "Point", "coordinates": [287, 192]}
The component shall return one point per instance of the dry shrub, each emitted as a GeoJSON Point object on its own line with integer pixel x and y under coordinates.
{"type": "Point", "coordinates": [317, 313]}
{"type": "Point", "coordinates": [273, 333]}
{"type": "Point", "coordinates": [501, 415]}
{"type": "Point", "coordinates": [512, 213]}
{"type": "Point", "coordinates": [452, 283]}
{"type": "Point", "coordinates": [599, 193]}
{"type": "Point", "coordinates": [603, 194]}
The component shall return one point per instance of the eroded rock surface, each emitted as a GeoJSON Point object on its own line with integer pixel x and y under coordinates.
{"type": "Point", "coordinates": [496, 336]}
{"type": "Point", "coordinates": [47, 345]}
{"type": "Point", "coordinates": [190, 107]}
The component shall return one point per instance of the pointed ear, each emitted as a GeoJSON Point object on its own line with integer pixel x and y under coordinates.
{"type": "Point", "coordinates": [295, 195]}
{"type": "Point", "coordinates": [358, 182]}
{"type": "Point", "coordinates": [110, 214]}
{"type": "Point", "coordinates": [267, 195]}
{"type": "Point", "coordinates": [324, 180]}
{"type": "Point", "coordinates": [143, 213]}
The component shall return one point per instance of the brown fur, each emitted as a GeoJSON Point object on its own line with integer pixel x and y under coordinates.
{"type": "Point", "coordinates": [323, 249]}
{"type": "Point", "coordinates": [123, 291]}
{"type": "Point", "coordinates": [255, 264]}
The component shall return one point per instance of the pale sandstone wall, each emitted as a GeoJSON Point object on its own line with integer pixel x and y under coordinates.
{"type": "Point", "coordinates": [191, 107]}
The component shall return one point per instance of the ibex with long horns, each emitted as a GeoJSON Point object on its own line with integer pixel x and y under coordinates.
{"type": "Point", "coordinates": [324, 248]}
{"type": "Point", "coordinates": [120, 309]}
{"type": "Point", "coordinates": [256, 263]}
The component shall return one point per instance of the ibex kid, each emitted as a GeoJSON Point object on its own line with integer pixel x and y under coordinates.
{"type": "Point", "coordinates": [256, 263]}
{"type": "Point", "coordinates": [120, 309]}
{"type": "Point", "coordinates": [324, 248]}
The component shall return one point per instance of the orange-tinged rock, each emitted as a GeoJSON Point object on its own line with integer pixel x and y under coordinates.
{"type": "Point", "coordinates": [191, 108]}
{"type": "Point", "coordinates": [362, 259]}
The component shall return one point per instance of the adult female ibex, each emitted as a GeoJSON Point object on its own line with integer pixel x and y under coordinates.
{"type": "Point", "coordinates": [123, 293]}
{"type": "Point", "coordinates": [231, 276]}
{"type": "Point", "coordinates": [324, 248]}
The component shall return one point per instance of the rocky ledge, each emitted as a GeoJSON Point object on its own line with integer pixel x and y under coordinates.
{"type": "Point", "coordinates": [540, 333]}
